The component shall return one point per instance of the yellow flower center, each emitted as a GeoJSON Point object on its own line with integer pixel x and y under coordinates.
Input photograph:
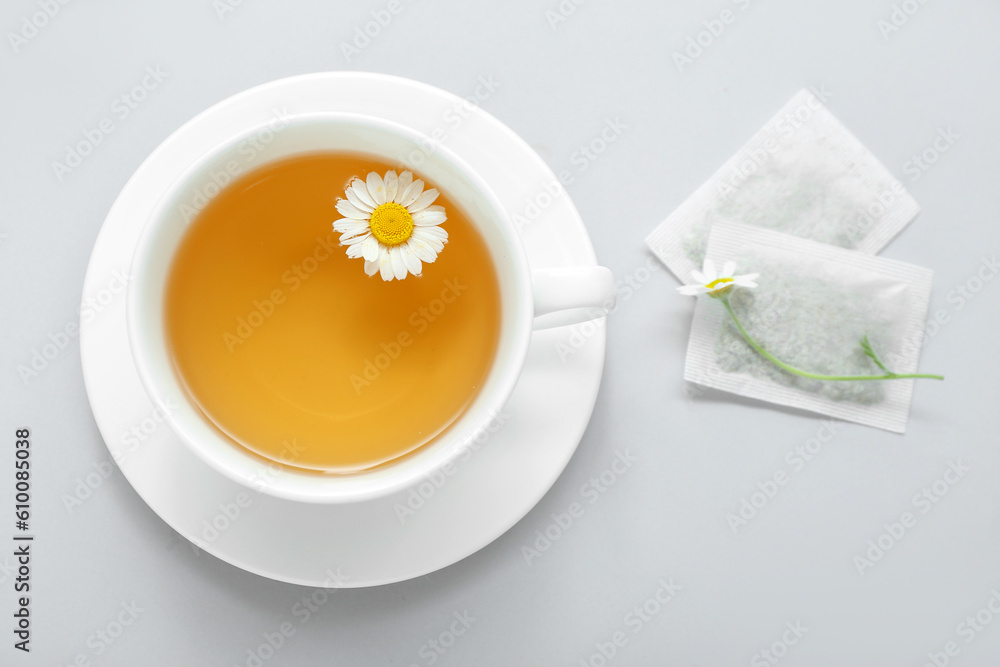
{"type": "Point", "coordinates": [717, 291]}
{"type": "Point", "coordinates": [391, 224]}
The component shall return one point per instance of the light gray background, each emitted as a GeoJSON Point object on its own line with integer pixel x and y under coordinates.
{"type": "Point", "coordinates": [699, 454]}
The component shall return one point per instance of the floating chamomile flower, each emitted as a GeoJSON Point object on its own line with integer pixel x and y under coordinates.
{"type": "Point", "coordinates": [392, 223]}
{"type": "Point", "coordinates": [716, 285]}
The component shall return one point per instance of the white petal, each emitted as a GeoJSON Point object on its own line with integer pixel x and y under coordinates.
{"type": "Point", "coordinates": [432, 232]}
{"type": "Point", "coordinates": [435, 207]}
{"type": "Point", "coordinates": [376, 187]}
{"type": "Point", "coordinates": [410, 259]}
{"type": "Point", "coordinates": [432, 215]}
{"type": "Point", "coordinates": [353, 197]}
{"type": "Point", "coordinates": [404, 182]}
{"type": "Point", "coordinates": [350, 227]}
{"type": "Point", "coordinates": [699, 277]}
{"type": "Point", "coordinates": [384, 263]}
{"type": "Point", "coordinates": [349, 210]}
{"type": "Point", "coordinates": [370, 249]}
{"type": "Point", "coordinates": [398, 267]}
{"type": "Point", "coordinates": [692, 290]}
{"type": "Point", "coordinates": [354, 251]}
{"type": "Point", "coordinates": [354, 240]}
{"type": "Point", "coordinates": [411, 193]}
{"type": "Point", "coordinates": [391, 182]}
{"type": "Point", "coordinates": [728, 269]}
{"type": "Point", "coordinates": [422, 249]}
{"type": "Point", "coordinates": [371, 267]}
{"type": "Point", "coordinates": [709, 271]}
{"type": "Point", "coordinates": [749, 280]}
{"type": "Point", "coordinates": [434, 243]}
{"type": "Point", "coordinates": [423, 201]}
{"type": "Point", "coordinates": [361, 190]}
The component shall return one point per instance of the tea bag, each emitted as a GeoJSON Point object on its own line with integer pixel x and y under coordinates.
{"type": "Point", "coordinates": [804, 174]}
{"type": "Point", "coordinates": [813, 305]}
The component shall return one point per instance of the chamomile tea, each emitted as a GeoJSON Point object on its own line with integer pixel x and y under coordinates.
{"type": "Point", "coordinates": [290, 348]}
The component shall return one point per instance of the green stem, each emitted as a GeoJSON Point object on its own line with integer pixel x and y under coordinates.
{"type": "Point", "coordinates": [815, 376]}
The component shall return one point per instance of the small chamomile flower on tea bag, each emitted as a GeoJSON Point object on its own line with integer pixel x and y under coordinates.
{"type": "Point", "coordinates": [808, 325]}
{"type": "Point", "coordinates": [804, 174]}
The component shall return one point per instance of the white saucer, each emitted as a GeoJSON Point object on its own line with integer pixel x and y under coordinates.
{"type": "Point", "coordinates": [367, 541]}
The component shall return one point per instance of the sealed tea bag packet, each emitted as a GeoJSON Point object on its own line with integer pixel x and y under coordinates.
{"type": "Point", "coordinates": [804, 174]}
{"type": "Point", "coordinates": [813, 305]}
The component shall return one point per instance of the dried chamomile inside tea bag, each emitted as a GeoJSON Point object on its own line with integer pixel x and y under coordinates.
{"type": "Point", "coordinates": [828, 311]}
{"type": "Point", "coordinates": [804, 174]}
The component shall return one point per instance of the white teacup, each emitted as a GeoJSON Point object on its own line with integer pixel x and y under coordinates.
{"type": "Point", "coordinates": [530, 300]}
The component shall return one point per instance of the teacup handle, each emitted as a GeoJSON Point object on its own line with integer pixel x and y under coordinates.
{"type": "Point", "coordinates": [571, 294]}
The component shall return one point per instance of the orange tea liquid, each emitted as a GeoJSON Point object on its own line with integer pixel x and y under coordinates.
{"type": "Point", "coordinates": [291, 350]}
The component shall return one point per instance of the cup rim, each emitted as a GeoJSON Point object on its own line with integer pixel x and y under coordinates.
{"type": "Point", "coordinates": [384, 480]}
